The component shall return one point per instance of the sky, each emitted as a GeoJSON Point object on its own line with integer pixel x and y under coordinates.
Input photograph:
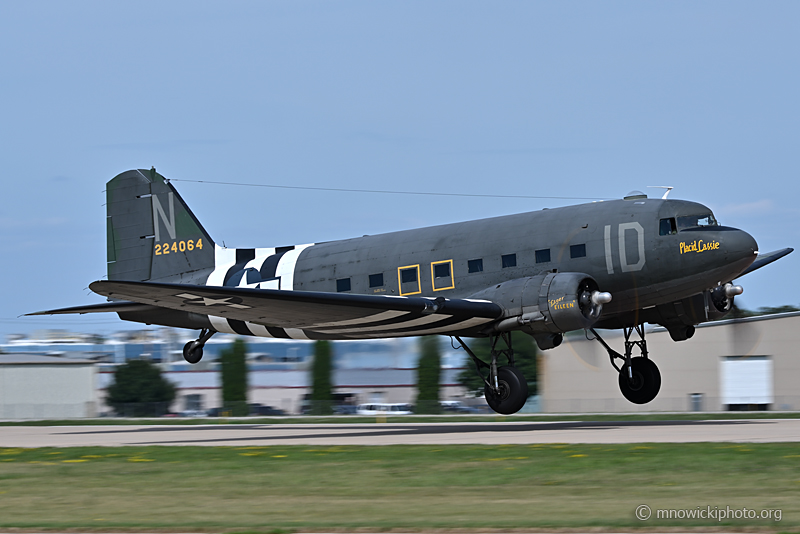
{"type": "Point", "coordinates": [552, 99]}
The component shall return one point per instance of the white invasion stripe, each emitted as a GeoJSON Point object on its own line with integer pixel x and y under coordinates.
{"type": "Point", "coordinates": [383, 316]}
{"type": "Point", "coordinates": [463, 325]}
{"type": "Point", "coordinates": [286, 265]}
{"type": "Point", "coordinates": [269, 284]}
{"type": "Point", "coordinates": [295, 333]}
{"type": "Point", "coordinates": [224, 258]}
{"type": "Point", "coordinates": [217, 277]}
{"type": "Point", "coordinates": [220, 324]}
{"type": "Point", "coordinates": [223, 255]}
{"type": "Point", "coordinates": [258, 329]}
{"type": "Point", "coordinates": [434, 318]}
{"type": "Point", "coordinates": [265, 252]}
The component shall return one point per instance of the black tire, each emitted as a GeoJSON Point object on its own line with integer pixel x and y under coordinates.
{"type": "Point", "coordinates": [513, 391]}
{"type": "Point", "coordinates": [646, 381]}
{"type": "Point", "coordinates": [192, 352]}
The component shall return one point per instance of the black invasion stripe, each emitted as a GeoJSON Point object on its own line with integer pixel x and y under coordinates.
{"type": "Point", "coordinates": [418, 331]}
{"type": "Point", "coordinates": [239, 327]}
{"type": "Point", "coordinates": [408, 330]}
{"type": "Point", "coordinates": [270, 265]}
{"type": "Point", "coordinates": [387, 322]}
{"type": "Point", "coordinates": [278, 333]}
{"type": "Point", "coordinates": [243, 255]}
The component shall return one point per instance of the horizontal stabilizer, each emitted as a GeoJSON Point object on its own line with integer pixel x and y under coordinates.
{"type": "Point", "coordinates": [766, 259]}
{"type": "Point", "coordinates": [118, 306]}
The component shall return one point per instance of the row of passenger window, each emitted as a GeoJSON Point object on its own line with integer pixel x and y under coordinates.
{"type": "Point", "coordinates": [442, 269]}
{"type": "Point", "coordinates": [542, 256]}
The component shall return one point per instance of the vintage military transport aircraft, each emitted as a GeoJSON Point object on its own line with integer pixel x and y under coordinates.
{"type": "Point", "coordinates": [605, 265]}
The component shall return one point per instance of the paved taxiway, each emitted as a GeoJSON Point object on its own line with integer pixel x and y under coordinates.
{"type": "Point", "coordinates": [489, 433]}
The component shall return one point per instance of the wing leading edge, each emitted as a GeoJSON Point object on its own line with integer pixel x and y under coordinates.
{"type": "Point", "coordinates": [316, 314]}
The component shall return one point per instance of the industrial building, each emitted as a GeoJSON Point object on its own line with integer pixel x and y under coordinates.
{"type": "Point", "coordinates": [737, 364]}
{"type": "Point", "coordinates": [46, 387]}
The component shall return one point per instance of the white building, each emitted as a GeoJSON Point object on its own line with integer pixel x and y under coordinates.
{"type": "Point", "coordinates": [744, 364]}
{"type": "Point", "coordinates": [46, 387]}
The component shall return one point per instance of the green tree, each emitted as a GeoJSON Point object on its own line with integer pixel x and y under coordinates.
{"type": "Point", "coordinates": [524, 355]}
{"type": "Point", "coordinates": [770, 310]}
{"type": "Point", "coordinates": [429, 370]}
{"type": "Point", "coordinates": [234, 378]}
{"type": "Point", "coordinates": [139, 390]}
{"type": "Point", "coordinates": [321, 387]}
{"type": "Point", "coordinates": [738, 312]}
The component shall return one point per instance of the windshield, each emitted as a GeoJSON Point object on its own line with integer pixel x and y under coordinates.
{"type": "Point", "coordinates": [696, 221]}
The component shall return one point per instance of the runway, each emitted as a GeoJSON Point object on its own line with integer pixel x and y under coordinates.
{"type": "Point", "coordinates": [487, 433]}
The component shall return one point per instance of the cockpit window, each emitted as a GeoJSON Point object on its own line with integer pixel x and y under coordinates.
{"type": "Point", "coordinates": [696, 221]}
{"type": "Point", "coordinates": [667, 227]}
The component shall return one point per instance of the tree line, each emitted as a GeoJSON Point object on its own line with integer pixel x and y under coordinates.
{"type": "Point", "coordinates": [139, 388]}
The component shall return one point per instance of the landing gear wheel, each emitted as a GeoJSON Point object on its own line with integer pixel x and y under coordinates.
{"type": "Point", "coordinates": [193, 352]}
{"type": "Point", "coordinates": [512, 391]}
{"type": "Point", "coordinates": [645, 384]}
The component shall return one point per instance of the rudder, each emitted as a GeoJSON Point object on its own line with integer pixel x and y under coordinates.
{"type": "Point", "coordinates": [151, 232]}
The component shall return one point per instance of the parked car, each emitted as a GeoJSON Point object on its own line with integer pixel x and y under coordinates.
{"type": "Point", "coordinates": [345, 409]}
{"type": "Point", "coordinates": [193, 413]}
{"type": "Point", "coordinates": [454, 406]}
{"type": "Point", "coordinates": [383, 408]}
{"type": "Point", "coordinates": [260, 409]}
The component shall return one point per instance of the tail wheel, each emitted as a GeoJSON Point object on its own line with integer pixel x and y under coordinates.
{"type": "Point", "coordinates": [193, 352]}
{"type": "Point", "coordinates": [645, 384]}
{"type": "Point", "coordinates": [512, 391]}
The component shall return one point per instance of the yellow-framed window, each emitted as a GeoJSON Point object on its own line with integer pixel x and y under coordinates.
{"type": "Point", "coordinates": [408, 280]}
{"type": "Point", "coordinates": [442, 275]}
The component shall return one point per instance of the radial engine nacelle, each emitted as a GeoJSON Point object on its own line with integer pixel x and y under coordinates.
{"type": "Point", "coordinates": [546, 306]}
{"type": "Point", "coordinates": [680, 317]}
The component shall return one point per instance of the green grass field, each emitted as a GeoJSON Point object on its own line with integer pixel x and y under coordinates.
{"type": "Point", "coordinates": [395, 487]}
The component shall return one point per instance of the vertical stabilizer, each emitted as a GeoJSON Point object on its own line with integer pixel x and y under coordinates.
{"type": "Point", "coordinates": [152, 234]}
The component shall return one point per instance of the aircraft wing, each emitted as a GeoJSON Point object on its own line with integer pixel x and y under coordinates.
{"type": "Point", "coordinates": [325, 313]}
{"type": "Point", "coordinates": [767, 258]}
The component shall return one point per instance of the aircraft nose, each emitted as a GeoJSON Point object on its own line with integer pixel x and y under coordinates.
{"type": "Point", "coordinates": [743, 242]}
{"type": "Point", "coordinates": [740, 245]}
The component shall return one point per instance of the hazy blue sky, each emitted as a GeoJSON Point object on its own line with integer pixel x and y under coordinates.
{"type": "Point", "coordinates": [584, 99]}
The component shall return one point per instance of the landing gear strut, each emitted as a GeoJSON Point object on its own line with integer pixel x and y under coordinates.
{"type": "Point", "coordinates": [193, 350]}
{"type": "Point", "coordinates": [505, 387]}
{"type": "Point", "coordinates": [639, 378]}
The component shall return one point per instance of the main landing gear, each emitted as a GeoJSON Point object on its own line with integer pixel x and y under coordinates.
{"type": "Point", "coordinates": [639, 378]}
{"type": "Point", "coordinates": [506, 389]}
{"type": "Point", "coordinates": [193, 350]}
